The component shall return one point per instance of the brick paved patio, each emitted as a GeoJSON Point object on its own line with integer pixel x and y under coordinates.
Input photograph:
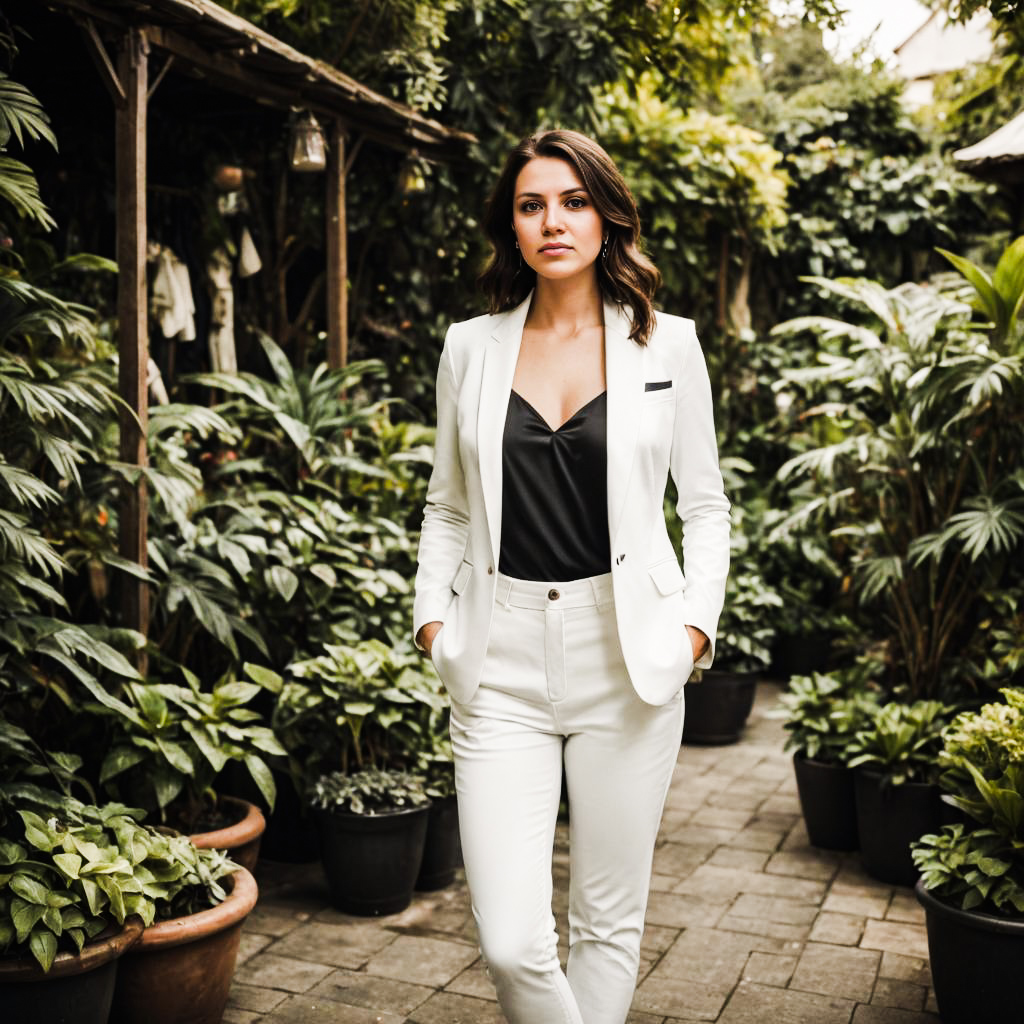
{"type": "Point", "coordinates": [747, 924]}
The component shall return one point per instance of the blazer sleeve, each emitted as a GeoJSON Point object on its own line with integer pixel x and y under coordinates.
{"type": "Point", "coordinates": [445, 530]}
{"type": "Point", "coordinates": [702, 507]}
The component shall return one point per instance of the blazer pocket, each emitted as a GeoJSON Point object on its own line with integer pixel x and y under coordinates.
{"type": "Point", "coordinates": [462, 577]}
{"type": "Point", "coordinates": [657, 385]}
{"type": "Point", "coordinates": [667, 576]}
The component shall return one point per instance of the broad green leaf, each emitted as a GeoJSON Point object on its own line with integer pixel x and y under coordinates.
{"type": "Point", "coordinates": [43, 944]}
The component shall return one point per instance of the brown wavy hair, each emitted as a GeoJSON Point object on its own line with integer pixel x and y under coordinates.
{"type": "Point", "coordinates": [625, 275]}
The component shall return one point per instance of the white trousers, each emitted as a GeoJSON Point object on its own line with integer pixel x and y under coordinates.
{"type": "Point", "coordinates": [554, 685]}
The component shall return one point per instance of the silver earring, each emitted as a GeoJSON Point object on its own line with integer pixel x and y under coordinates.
{"type": "Point", "coordinates": [604, 248]}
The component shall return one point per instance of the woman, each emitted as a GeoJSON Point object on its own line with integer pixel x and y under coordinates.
{"type": "Point", "coordinates": [548, 593]}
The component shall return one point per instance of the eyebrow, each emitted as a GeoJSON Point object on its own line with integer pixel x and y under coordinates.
{"type": "Point", "coordinates": [537, 195]}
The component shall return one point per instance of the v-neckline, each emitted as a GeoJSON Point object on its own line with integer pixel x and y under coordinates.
{"type": "Point", "coordinates": [565, 423]}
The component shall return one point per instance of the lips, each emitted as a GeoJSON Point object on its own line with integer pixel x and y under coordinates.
{"type": "Point", "coordinates": [555, 248]}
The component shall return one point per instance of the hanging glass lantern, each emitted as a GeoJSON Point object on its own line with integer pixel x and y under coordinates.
{"type": "Point", "coordinates": [308, 149]}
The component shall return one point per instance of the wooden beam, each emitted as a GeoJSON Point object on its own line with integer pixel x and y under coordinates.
{"type": "Point", "coordinates": [337, 250]}
{"type": "Point", "coordinates": [102, 60]}
{"type": "Point", "coordinates": [133, 343]}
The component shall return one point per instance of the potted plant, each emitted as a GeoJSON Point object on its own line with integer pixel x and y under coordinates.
{"type": "Point", "coordinates": [373, 826]}
{"type": "Point", "coordinates": [898, 800]}
{"type": "Point", "coordinates": [171, 741]}
{"type": "Point", "coordinates": [442, 849]}
{"type": "Point", "coordinates": [823, 714]}
{"type": "Point", "coordinates": [356, 721]}
{"type": "Point", "coordinates": [972, 875]}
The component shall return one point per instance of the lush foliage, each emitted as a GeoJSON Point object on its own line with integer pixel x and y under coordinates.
{"type": "Point", "coordinates": [913, 440]}
{"type": "Point", "coordinates": [824, 714]}
{"type": "Point", "coordinates": [902, 741]}
{"type": "Point", "coordinates": [983, 760]}
{"type": "Point", "coordinates": [369, 791]}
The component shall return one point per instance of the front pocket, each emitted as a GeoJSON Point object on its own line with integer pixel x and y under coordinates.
{"type": "Point", "coordinates": [667, 576]}
{"type": "Point", "coordinates": [462, 577]}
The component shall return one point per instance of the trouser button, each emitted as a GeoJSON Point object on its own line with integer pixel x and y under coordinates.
{"type": "Point", "coordinates": [553, 595]}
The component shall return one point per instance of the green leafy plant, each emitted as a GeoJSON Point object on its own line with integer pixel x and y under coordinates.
{"type": "Point", "coordinates": [913, 443]}
{"type": "Point", "coordinates": [369, 791]}
{"type": "Point", "coordinates": [69, 870]}
{"type": "Point", "coordinates": [902, 741]}
{"type": "Point", "coordinates": [983, 774]}
{"type": "Point", "coordinates": [357, 706]}
{"type": "Point", "coordinates": [169, 742]}
{"type": "Point", "coordinates": [823, 714]}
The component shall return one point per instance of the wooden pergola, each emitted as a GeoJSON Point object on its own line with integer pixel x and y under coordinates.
{"type": "Point", "coordinates": [134, 43]}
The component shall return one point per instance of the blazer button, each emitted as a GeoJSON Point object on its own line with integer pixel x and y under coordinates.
{"type": "Point", "coordinates": [553, 595]}
{"type": "Point", "coordinates": [490, 570]}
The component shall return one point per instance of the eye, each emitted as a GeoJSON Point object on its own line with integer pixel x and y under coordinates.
{"type": "Point", "coordinates": [529, 206]}
{"type": "Point", "coordinates": [576, 202]}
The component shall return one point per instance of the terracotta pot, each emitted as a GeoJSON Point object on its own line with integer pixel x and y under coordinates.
{"type": "Point", "coordinates": [241, 840]}
{"type": "Point", "coordinates": [78, 987]}
{"type": "Point", "coordinates": [181, 970]}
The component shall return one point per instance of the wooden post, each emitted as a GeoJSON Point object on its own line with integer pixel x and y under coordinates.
{"type": "Point", "coordinates": [337, 251]}
{"type": "Point", "coordinates": [133, 343]}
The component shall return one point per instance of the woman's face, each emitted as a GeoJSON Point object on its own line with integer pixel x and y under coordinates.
{"type": "Point", "coordinates": [556, 224]}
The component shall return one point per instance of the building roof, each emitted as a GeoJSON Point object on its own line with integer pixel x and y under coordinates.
{"type": "Point", "coordinates": [243, 57]}
{"type": "Point", "coordinates": [999, 155]}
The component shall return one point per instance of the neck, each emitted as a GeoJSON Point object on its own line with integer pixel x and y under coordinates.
{"type": "Point", "coordinates": [568, 305]}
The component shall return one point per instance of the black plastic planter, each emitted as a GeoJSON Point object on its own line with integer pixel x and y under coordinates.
{"type": "Point", "coordinates": [827, 802]}
{"type": "Point", "coordinates": [371, 860]}
{"type": "Point", "coordinates": [442, 851]}
{"type": "Point", "coordinates": [718, 706]}
{"type": "Point", "coordinates": [975, 959]}
{"type": "Point", "coordinates": [889, 819]}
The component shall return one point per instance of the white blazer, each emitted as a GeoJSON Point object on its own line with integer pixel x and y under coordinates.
{"type": "Point", "coordinates": [659, 421]}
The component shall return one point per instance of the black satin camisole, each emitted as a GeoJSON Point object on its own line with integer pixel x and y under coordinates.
{"type": "Point", "coordinates": [554, 506]}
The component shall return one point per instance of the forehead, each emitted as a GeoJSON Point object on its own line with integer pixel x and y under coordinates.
{"type": "Point", "coordinates": [547, 174]}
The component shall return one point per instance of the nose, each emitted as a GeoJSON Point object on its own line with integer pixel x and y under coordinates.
{"type": "Point", "coordinates": [553, 218]}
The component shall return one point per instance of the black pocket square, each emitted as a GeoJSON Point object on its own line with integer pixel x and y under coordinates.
{"type": "Point", "coordinates": [657, 385]}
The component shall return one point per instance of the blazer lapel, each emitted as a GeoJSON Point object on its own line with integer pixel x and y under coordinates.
{"type": "Point", "coordinates": [499, 368]}
{"type": "Point", "coordinates": [624, 371]}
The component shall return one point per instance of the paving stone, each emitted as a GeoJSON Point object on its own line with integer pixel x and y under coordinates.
{"type": "Point", "coordinates": [357, 988]}
{"type": "Point", "coordinates": [274, 920]}
{"type": "Point", "coordinates": [839, 929]}
{"type": "Point", "coordinates": [268, 970]}
{"type": "Point", "coordinates": [638, 1017]}
{"type": "Point", "coordinates": [836, 971]}
{"type": "Point", "coordinates": [252, 997]}
{"type": "Point", "coordinates": [761, 1004]}
{"type": "Point", "coordinates": [451, 1008]}
{"type": "Point", "coordinates": [250, 944]}
{"type": "Point", "coordinates": [753, 838]}
{"type": "Point", "coordinates": [756, 926]}
{"type": "Point", "coordinates": [894, 937]}
{"type": "Point", "coordinates": [904, 907]}
{"type": "Point", "coordinates": [735, 799]}
{"type": "Point", "coordinates": [666, 995]}
{"type": "Point", "coordinates": [304, 1009]}
{"type": "Point", "coordinates": [885, 1015]}
{"type": "Point", "coordinates": [663, 883]}
{"type": "Point", "coordinates": [736, 857]}
{"type": "Point", "coordinates": [657, 938]}
{"type": "Point", "coordinates": [905, 968]}
{"type": "Point", "coordinates": [720, 817]}
{"type": "Point", "coordinates": [714, 957]}
{"type": "Point", "coordinates": [904, 995]}
{"type": "Point", "coordinates": [770, 969]}
{"type": "Point", "coordinates": [677, 859]}
{"type": "Point", "coordinates": [713, 882]}
{"type": "Point", "coordinates": [473, 981]}
{"type": "Point", "coordinates": [781, 803]}
{"type": "Point", "coordinates": [232, 1015]}
{"type": "Point", "coordinates": [422, 961]}
{"type": "Point", "coordinates": [672, 910]}
{"type": "Point", "coordinates": [340, 945]}
{"type": "Point", "coordinates": [701, 835]}
{"type": "Point", "coordinates": [931, 1005]}
{"type": "Point", "coordinates": [802, 864]}
{"type": "Point", "coordinates": [857, 906]}
{"type": "Point", "coordinates": [774, 908]}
